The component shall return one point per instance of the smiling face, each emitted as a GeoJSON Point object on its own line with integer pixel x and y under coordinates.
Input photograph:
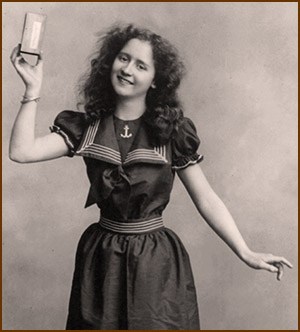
{"type": "Point", "coordinates": [133, 70]}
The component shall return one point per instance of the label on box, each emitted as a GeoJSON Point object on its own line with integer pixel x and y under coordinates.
{"type": "Point", "coordinates": [35, 35]}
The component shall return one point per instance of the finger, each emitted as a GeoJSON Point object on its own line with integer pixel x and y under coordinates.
{"type": "Point", "coordinates": [41, 56]}
{"type": "Point", "coordinates": [39, 62]}
{"type": "Point", "coordinates": [280, 270]}
{"type": "Point", "coordinates": [14, 53]}
{"type": "Point", "coordinates": [286, 262]}
{"type": "Point", "coordinates": [19, 60]}
{"type": "Point", "coordinates": [268, 267]}
{"type": "Point", "coordinates": [280, 259]}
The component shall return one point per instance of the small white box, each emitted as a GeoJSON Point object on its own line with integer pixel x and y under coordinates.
{"type": "Point", "coordinates": [33, 32]}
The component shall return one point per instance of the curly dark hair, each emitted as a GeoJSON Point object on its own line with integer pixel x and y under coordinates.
{"type": "Point", "coordinates": [163, 108]}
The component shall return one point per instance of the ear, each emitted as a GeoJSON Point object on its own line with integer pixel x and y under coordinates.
{"type": "Point", "coordinates": [153, 86]}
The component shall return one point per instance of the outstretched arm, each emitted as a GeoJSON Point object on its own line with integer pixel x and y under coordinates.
{"type": "Point", "coordinates": [213, 210]}
{"type": "Point", "coordinates": [24, 146]}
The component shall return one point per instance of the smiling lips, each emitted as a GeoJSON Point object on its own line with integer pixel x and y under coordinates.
{"type": "Point", "coordinates": [123, 80]}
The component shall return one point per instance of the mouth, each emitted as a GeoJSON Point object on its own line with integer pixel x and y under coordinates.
{"type": "Point", "coordinates": [123, 80]}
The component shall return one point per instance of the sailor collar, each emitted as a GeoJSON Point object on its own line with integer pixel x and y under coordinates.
{"type": "Point", "coordinates": [100, 142]}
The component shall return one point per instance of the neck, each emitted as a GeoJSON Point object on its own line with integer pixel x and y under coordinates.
{"type": "Point", "coordinates": [128, 109]}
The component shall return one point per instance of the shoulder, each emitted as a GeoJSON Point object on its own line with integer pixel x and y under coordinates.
{"type": "Point", "coordinates": [71, 117]}
{"type": "Point", "coordinates": [185, 144]}
{"type": "Point", "coordinates": [187, 122]}
{"type": "Point", "coordinates": [71, 121]}
{"type": "Point", "coordinates": [187, 125]}
{"type": "Point", "coordinates": [71, 126]}
{"type": "Point", "coordinates": [186, 136]}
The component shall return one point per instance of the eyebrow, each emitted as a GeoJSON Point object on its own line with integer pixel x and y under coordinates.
{"type": "Point", "coordinates": [138, 60]}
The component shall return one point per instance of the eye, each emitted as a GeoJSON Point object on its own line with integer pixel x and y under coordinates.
{"type": "Point", "coordinates": [141, 66]}
{"type": "Point", "coordinates": [123, 57]}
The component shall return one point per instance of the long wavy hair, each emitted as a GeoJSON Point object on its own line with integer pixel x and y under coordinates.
{"type": "Point", "coordinates": [163, 108]}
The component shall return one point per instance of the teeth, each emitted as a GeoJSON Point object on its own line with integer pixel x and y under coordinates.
{"type": "Point", "coordinates": [123, 80]}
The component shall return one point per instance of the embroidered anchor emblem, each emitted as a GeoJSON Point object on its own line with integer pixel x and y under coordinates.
{"type": "Point", "coordinates": [126, 135]}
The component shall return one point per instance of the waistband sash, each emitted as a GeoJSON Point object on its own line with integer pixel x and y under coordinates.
{"type": "Point", "coordinates": [138, 227]}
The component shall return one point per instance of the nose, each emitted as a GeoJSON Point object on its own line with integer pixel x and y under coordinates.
{"type": "Point", "coordinates": [126, 70]}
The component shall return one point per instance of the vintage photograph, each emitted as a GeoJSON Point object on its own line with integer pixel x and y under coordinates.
{"type": "Point", "coordinates": [150, 166]}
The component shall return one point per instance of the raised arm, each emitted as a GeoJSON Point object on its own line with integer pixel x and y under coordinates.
{"type": "Point", "coordinates": [213, 210]}
{"type": "Point", "coordinates": [24, 146]}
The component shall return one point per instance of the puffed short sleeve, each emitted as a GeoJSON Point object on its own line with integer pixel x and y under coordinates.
{"type": "Point", "coordinates": [70, 125]}
{"type": "Point", "coordinates": [185, 146]}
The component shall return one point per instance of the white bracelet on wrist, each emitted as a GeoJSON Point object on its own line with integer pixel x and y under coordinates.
{"type": "Point", "coordinates": [29, 99]}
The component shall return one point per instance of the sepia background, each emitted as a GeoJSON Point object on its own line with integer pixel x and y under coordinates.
{"type": "Point", "coordinates": [241, 92]}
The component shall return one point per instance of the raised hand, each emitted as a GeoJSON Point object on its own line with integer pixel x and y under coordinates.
{"type": "Point", "coordinates": [32, 76]}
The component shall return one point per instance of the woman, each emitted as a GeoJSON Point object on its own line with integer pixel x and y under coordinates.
{"type": "Point", "coordinates": [131, 272]}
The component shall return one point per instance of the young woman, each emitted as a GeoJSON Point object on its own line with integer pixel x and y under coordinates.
{"type": "Point", "coordinates": [131, 272]}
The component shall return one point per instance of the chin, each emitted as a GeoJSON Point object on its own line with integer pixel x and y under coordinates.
{"type": "Point", "coordinates": [120, 90]}
{"type": "Point", "coordinates": [122, 93]}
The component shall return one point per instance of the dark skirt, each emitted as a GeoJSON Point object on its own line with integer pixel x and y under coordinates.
{"type": "Point", "coordinates": [132, 282]}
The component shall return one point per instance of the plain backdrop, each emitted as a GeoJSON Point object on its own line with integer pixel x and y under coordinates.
{"type": "Point", "coordinates": [240, 91]}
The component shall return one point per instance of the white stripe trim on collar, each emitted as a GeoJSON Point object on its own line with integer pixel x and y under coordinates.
{"type": "Point", "coordinates": [88, 146]}
{"type": "Point", "coordinates": [158, 153]}
{"type": "Point", "coordinates": [90, 136]}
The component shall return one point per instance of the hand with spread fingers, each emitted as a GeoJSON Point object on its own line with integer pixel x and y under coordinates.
{"type": "Point", "coordinates": [32, 76]}
{"type": "Point", "coordinates": [267, 262]}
